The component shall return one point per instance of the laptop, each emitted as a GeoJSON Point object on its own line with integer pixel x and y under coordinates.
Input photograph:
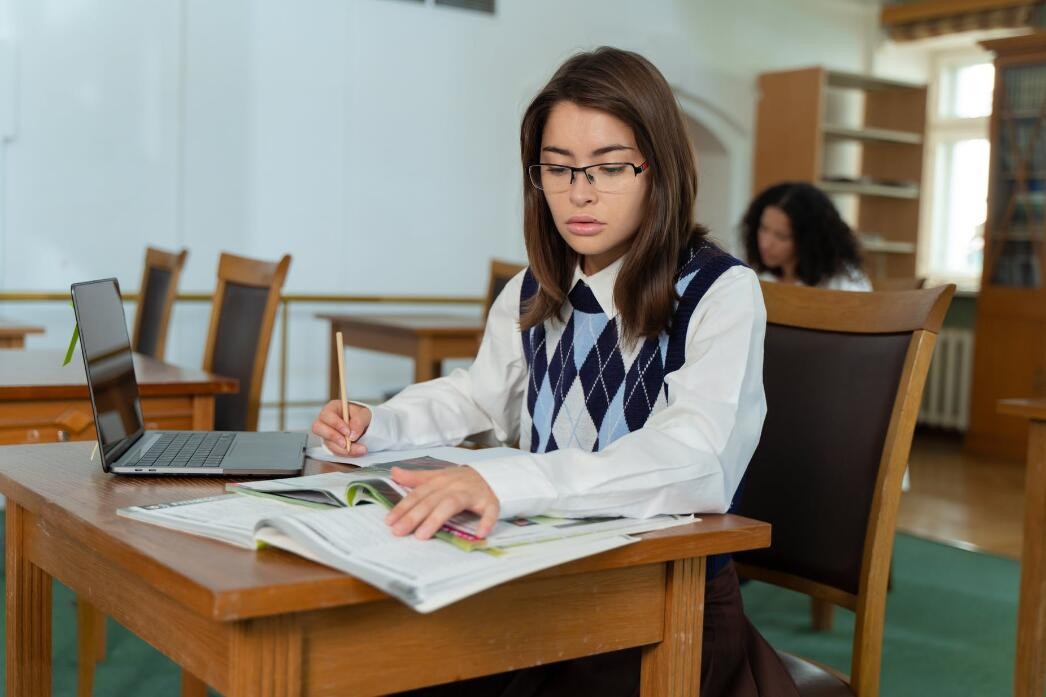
{"type": "Point", "coordinates": [123, 443]}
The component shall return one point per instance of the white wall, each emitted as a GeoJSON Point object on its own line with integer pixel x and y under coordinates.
{"type": "Point", "coordinates": [375, 140]}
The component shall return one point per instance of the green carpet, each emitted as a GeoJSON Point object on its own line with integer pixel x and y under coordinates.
{"type": "Point", "coordinates": [950, 629]}
{"type": "Point", "coordinates": [951, 620]}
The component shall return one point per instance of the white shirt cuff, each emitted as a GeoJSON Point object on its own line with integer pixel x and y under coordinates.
{"type": "Point", "coordinates": [520, 490]}
{"type": "Point", "coordinates": [382, 433]}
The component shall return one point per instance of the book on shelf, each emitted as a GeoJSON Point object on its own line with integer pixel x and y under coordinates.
{"type": "Point", "coordinates": [338, 519]}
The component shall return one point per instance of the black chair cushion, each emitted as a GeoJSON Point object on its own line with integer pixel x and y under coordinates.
{"type": "Point", "coordinates": [829, 399]}
{"type": "Point", "coordinates": [235, 350]}
{"type": "Point", "coordinates": [153, 300]}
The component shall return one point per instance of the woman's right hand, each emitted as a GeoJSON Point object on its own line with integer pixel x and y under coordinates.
{"type": "Point", "coordinates": [332, 428]}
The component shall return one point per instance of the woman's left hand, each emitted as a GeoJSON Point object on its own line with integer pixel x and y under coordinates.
{"type": "Point", "coordinates": [438, 495]}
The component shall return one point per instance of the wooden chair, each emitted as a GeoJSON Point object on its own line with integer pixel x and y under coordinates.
{"type": "Point", "coordinates": [155, 299]}
{"type": "Point", "coordinates": [844, 375]}
{"type": "Point", "coordinates": [912, 283]}
{"type": "Point", "coordinates": [242, 318]}
{"type": "Point", "coordinates": [501, 272]}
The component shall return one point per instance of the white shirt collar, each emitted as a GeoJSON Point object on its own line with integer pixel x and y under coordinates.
{"type": "Point", "coordinates": [601, 284]}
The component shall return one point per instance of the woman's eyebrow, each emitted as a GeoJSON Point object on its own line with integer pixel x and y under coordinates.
{"type": "Point", "coordinates": [595, 153]}
{"type": "Point", "coordinates": [609, 148]}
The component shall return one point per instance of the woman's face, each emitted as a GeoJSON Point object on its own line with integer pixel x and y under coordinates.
{"type": "Point", "coordinates": [776, 243]}
{"type": "Point", "coordinates": [596, 224]}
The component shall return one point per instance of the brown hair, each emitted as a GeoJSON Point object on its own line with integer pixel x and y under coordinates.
{"type": "Point", "coordinates": [629, 87]}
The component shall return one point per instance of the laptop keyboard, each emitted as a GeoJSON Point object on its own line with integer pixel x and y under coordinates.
{"type": "Point", "coordinates": [187, 450]}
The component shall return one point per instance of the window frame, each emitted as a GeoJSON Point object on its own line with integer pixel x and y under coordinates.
{"type": "Point", "coordinates": [944, 131]}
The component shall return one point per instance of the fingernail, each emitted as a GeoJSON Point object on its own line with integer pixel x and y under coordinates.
{"type": "Point", "coordinates": [353, 435]}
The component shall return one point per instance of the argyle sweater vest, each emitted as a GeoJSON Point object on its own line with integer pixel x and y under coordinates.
{"type": "Point", "coordinates": [585, 389]}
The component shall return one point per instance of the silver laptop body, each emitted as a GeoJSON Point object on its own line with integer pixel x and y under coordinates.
{"type": "Point", "coordinates": [124, 445]}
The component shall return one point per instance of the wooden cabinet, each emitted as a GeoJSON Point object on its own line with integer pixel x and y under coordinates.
{"type": "Point", "coordinates": [859, 139]}
{"type": "Point", "coordinates": [1010, 341]}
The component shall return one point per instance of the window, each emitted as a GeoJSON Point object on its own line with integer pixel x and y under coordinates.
{"type": "Point", "coordinates": [958, 154]}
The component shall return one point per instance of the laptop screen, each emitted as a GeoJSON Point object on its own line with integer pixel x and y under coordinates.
{"type": "Point", "coordinates": [106, 349]}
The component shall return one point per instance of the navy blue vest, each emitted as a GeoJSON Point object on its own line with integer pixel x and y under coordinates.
{"type": "Point", "coordinates": [585, 389]}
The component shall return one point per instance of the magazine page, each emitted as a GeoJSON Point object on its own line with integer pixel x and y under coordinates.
{"type": "Point", "coordinates": [458, 456]}
{"type": "Point", "coordinates": [426, 575]}
{"type": "Point", "coordinates": [226, 517]}
{"type": "Point", "coordinates": [310, 489]}
{"type": "Point", "coordinates": [521, 531]}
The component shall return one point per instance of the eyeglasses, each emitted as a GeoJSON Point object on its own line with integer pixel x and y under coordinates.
{"type": "Point", "coordinates": [605, 177]}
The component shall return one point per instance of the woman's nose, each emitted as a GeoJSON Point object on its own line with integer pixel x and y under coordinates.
{"type": "Point", "coordinates": [581, 190]}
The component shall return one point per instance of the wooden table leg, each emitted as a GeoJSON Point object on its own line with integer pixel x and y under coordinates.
{"type": "Point", "coordinates": [192, 686]}
{"type": "Point", "coordinates": [673, 667]}
{"type": "Point", "coordinates": [265, 658]}
{"type": "Point", "coordinates": [90, 645]}
{"type": "Point", "coordinates": [1031, 614]}
{"type": "Point", "coordinates": [28, 614]}
{"type": "Point", "coordinates": [425, 366]}
{"type": "Point", "coordinates": [203, 412]}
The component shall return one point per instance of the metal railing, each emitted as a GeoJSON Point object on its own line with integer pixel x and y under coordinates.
{"type": "Point", "coordinates": [286, 301]}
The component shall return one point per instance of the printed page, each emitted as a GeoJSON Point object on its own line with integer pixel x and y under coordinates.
{"type": "Point", "coordinates": [335, 483]}
{"type": "Point", "coordinates": [427, 574]}
{"type": "Point", "coordinates": [517, 562]}
{"type": "Point", "coordinates": [460, 456]}
{"type": "Point", "coordinates": [535, 529]}
{"type": "Point", "coordinates": [228, 517]}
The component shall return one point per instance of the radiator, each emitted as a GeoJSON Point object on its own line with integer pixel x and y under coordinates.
{"type": "Point", "coordinates": [946, 399]}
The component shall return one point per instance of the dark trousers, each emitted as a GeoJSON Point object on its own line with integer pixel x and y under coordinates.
{"type": "Point", "coordinates": [735, 662]}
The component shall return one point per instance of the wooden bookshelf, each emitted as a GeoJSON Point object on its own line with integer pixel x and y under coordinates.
{"type": "Point", "coordinates": [1010, 330]}
{"type": "Point", "coordinates": [884, 135]}
{"type": "Point", "coordinates": [795, 131]}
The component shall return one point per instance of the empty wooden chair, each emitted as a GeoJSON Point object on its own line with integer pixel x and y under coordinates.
{"type": "Point", "coordinates": [242, 318]}
{"type": "Point", "coordinates": [156, 297]}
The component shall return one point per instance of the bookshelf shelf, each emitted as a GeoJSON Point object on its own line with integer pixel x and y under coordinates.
{"type": "Point", "coordinates": [845, 80]}
{"type": "Point", "coordinates": [883, 135]}
{"type": "Point", "coordinates": [886, 247]}
{"type": "Point", "coordinates": [806, 116]}
{"type": "Point", "coordinates": [862, 189]}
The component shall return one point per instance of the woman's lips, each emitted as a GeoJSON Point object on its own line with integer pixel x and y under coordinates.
{"type": "Point", "coordinates": [585, 225]}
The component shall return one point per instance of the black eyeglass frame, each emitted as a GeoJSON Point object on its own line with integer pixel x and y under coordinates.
{"type": "Point", "coordinates": [534, 171]}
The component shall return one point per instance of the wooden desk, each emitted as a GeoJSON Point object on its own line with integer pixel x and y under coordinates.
{"type": "Point", "coordinates": [270, 623]}
{"type": "Point", "coordinates": [427, 338]}
{"type": "Point", "coordinates": [43, 401]}
{"type": "Point", "coordinates": [12, 334]}
{"type": "Point", "coordinates": [1029, 678]}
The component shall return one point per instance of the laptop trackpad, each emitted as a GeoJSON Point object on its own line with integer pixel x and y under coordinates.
{"type": "Point", "coordinates": [269, 452]}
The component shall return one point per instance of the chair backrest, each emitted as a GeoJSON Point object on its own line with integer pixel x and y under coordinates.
{"type": "Point", "coordinates": [242, 319]}
{"type": "Point", "coordinates": [907, 283]}
{"type": "Point", "coordinates": [844, 375]}
{"type": "Point", "coordinates": [501, 272]}
{"type": "Point", "coordinates": [156, 297]}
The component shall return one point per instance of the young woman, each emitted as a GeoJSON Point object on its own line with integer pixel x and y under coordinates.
{"type": "Point", "coordinates": [627, 359]}
{"type": "Point", "coordinates": [794, 234]}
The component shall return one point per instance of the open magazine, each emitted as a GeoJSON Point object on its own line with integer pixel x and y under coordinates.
{"type": "Point", "coordinates": [338, 519]}
{"type": "Point", "coordinates": [375, 485]}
